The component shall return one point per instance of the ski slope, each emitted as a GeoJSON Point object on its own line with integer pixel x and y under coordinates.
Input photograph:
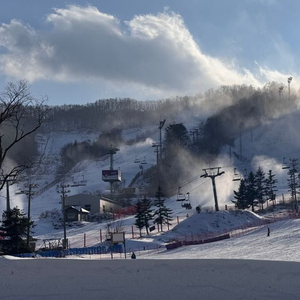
{"type": "Point", "coordinates": [250, 267]}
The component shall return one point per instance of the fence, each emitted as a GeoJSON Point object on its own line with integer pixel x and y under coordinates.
{"type": "Point", "coordinates": [208, 237]}
{"type": "Point", "coordinates": [76, 251]}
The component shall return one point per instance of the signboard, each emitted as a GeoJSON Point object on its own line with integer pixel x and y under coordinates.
{"type": "Point", "coordinates": [152, 228]}
{"type": "Point", "coordinates": [118, 237]}
{"type": "Point", "coordinates": [111, 175]}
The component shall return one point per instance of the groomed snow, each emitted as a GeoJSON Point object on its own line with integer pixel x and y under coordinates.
{"type": "Point", "coordinates": [61, 279]}
{"type": "Point", "coordinates": [252, 266]}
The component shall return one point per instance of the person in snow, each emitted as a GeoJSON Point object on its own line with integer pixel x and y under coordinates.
{"type": "Point", "coordinates": [268, 231]}
{"type": "Point", "coordinates": [133, 255]}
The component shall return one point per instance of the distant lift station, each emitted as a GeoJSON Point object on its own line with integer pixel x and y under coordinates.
{"type": "Point", "coordinates": [111, 175]}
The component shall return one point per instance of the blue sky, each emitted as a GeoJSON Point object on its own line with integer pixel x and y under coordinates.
{"type": "Point", "coordinates": [78, 52]}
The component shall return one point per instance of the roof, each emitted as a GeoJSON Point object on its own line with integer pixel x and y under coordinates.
{"type": "Point", "coordinates": [79, 209]}
{"type": "Point", "coordinates": [91, 197]}
{"type": "Point", "coordinates": [109, 200]}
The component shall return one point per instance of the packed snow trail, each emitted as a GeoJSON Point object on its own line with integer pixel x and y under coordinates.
{"type": "Point", "coordinates": [64, 279]}
{"type": "Point", "coordinates": [282, 245]}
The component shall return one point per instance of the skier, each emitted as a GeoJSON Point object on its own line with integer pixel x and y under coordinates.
{"type": "Point", "coordinates": [133, 255]}
{"type": "Point", "coordinates": [268, 231]}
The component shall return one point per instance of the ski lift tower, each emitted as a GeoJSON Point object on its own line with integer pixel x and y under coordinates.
{"type": "Point", "coordinates": [212, 173]}
{"type": "Point", "coordinates": [111, 175]}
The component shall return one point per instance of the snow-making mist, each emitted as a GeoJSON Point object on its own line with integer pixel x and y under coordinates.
{"type": "Point", "coordinates": [249, 129]}
{"type": "Point", "coordinates": [201, 136]}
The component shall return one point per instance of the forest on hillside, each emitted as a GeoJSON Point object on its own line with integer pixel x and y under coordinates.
{"type": "Point", "coordinates": [106, 114]}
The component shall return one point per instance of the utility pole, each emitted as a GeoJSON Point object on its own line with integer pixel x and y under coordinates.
{"type": "Point", "coordinates": [29, 193]}
{"type": "Point", "coordinates": [158, 150]}
{"type": "Point", "coordinates": [210, 172]}
{"type": "Point", "coordinates": [9, 180]}
{"type": "Point", "coordinates": [156, 146]}
{"type": "Point", "coordinates": [63, 194]}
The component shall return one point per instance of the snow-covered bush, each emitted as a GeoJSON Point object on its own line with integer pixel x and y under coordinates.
{"type": "Point", "coordinates": [53, 215]}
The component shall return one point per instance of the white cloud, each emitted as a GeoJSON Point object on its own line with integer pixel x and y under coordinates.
{"type": "Point", "coordinates": [151, 52]}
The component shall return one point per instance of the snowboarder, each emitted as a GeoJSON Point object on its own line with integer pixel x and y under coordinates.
{"type": "Point", "coordinates": [268, 231]}
{"type": "Point", "coordinates": [133, 255]}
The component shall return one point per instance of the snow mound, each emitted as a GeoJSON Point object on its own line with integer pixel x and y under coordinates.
{"type": "Point", "coordinates": [216, 222]}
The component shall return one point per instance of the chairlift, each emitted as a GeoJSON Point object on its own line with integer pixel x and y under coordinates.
{"type": "Point", "coordinates": [236, 176]}
{"type": "Point", "coordinates": [187, 203]}
{"type": "Point", "coordinates": [180, 197]}
{"type": "Point", "coordinates": [144, 161]}
{"type": "Point", "coordinates": [136, 160]}
{"type": "Point", "coordinates": [285, 164]}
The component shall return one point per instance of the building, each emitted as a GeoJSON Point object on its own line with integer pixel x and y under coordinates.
{"type": "Point", "coordinates": [93, 204]}
{"type": "Point", "coordinates": [76, 213]}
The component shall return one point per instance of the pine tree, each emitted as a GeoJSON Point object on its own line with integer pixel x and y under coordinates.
{"type": "Point", "coordinates": [260, 186]}
{"type": "Point", "coordinates": [251, 191]}
{"type": "Point", "coordinates": [139, 217]}
{"type": "Point", "coordinates": [147, 213]}
{"type": "Point", "coordinates": [270, 186]}
{"type": "Point", "coordinates": [14, 230]}
{"type": "Point", "coordinates": [241, 196]}
{"type": "Point", "coordinates": [143, 215]}
{"type": "Point", "coordinates": [292, 182]}
{"type": "Point", "coordinates": [162, 213]}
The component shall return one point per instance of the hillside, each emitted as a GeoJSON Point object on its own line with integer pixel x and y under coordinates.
{"type": "Point", "coordinates": [265, 146]}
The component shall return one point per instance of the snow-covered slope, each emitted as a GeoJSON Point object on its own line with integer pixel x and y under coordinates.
{"type": "Point", "coordinates": [148, 279]}
{"type": "Point", "coordinates": [269, 143]}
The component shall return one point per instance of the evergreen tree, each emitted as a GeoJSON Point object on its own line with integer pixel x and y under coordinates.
{"type": "Point", "coordinates": [293, 183]}
{"type": "Point", "coordinates": [251, 190]}
{"type": "Point", "coordinates": [270, 186]}
{"type": "Point", "coordinates": [14, 230]}
{"type": "Point", "coordinates": [176, 136]}
{"type": "Point", "coordinates": [260, 186]}
{"type": "Point", "coordinates": [241, 196]}
{"type": "Point", "coordinates": [143, 215]}
{"type": "Point", "coordinates": [139, 217]}
{"type": "Point", "coordinates": [147, 213]}
{"type": "Point", "coordinates": [162, 214]}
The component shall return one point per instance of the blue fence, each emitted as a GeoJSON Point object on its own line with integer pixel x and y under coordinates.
{"type": "Point", "coordinates": [76, 251]}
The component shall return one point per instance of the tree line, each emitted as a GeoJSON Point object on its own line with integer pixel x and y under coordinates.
{"type": "Point", "coordinates": [255, 189]}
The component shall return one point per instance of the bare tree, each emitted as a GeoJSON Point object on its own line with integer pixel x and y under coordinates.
{"type": "Point", "coordinates": [20, 115]}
